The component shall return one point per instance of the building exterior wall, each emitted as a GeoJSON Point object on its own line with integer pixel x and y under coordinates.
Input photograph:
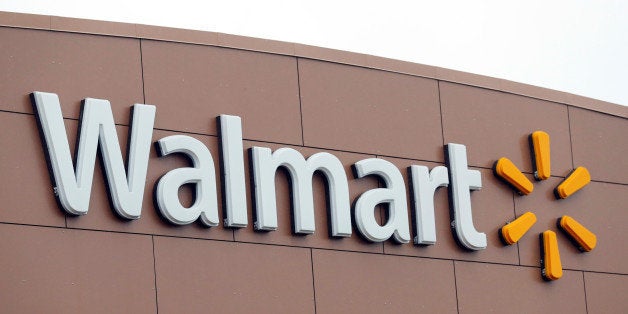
{"type": "Point", "coordinates": [313, 100]}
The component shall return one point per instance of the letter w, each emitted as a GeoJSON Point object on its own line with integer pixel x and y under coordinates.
{"type": "Point", "coordinates": [73, 188]}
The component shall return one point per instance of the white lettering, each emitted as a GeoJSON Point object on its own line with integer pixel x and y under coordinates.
{"type": "Point", "coordinates": [97, 127]}
{"type": "Point", "coordinates": [462, 181]}
{"type": "Point", "coordinates": [424, 185]}
{"type": "Point", "coordinates": [233, 171]}
{"type": "Point", "coordinates": [265, 165]}
{"type": "Point", "coordinates": [202, 175]}
{"type": "Point", "coordinates": [73, 186]}
{"type": "Point", "coordinates": [394, 195]}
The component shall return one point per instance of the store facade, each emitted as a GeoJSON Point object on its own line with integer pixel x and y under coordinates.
{"type": "Point", "coordinates": [384, 199]}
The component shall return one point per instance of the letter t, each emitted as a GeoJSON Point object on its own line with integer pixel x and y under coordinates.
{"type": "Point", "coordinates": [462, 181]}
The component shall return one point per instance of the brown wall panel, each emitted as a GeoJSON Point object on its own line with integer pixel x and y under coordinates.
{"type": "Point", "coordinates": [600, 144]}
{"type": "Point", "coordinates": [176, 34]}
{"type": "Point", "coordinates": [196, 276]}
{"type": "Point", "coordinates": [606, 293]}
{"type": "Point", "coordinates": [192, 84]}
{"type": "Point", "coordinates": [492, 288]}
{"type": "Point", "coordinates": [24, 20]}
{"type": "Point", "coordinates": [369, 283]}
{"type": "Point", "coordinates": [476, 117]}
{"type": "Point", "coordinates": [50, 270]}
{"type": "Point", "coordinates": [26, 192]}
{"type": "Point", "coordinates": [74, 66]}
{"type": "Point", "coordinates": [89, 26]}
{"type": "Point", "coordinates": [369, 111]}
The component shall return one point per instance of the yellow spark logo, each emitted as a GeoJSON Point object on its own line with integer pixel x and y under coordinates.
{"type": "Point", "coordinates": [506, 171]}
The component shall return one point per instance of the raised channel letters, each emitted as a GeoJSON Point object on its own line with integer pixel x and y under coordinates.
{"type": "Point", "coordinates": [73, 183]}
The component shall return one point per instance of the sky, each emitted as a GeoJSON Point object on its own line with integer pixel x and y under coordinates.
{"type": "Point", "coordinates": [575, 46]}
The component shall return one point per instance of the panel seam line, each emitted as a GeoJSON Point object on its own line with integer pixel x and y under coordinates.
{"type": "Point", "coordinates": [152, 238]}
{"type": "Point", "coordinates": [300, 102]}
{"type": "Point", "coordinates": [453, 263]}
{"type": "Point", "coordinates": [313, 280]}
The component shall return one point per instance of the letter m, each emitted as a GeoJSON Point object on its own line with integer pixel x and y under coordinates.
{"type": "Point", "coordinates": [73, 186]}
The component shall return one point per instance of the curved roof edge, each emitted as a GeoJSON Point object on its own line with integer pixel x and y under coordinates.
{"type": "Point", "coordinates": [65, 24]}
